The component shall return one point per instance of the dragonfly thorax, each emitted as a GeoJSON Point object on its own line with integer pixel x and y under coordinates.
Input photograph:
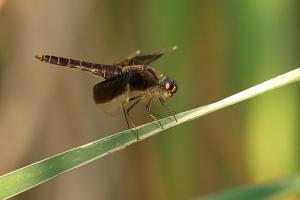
{"type": "Point", "coordinates": [168, 87]}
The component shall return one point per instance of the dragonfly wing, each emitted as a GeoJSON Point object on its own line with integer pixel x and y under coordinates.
{"type": "Point", "coordinates": [111, 93]}
{"type": "Point", "coordinates": [126, 60]}
{"type": "Point", "coordinates": [144, 59]}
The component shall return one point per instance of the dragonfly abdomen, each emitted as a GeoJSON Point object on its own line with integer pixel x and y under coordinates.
{"type": "Point", "coordinates": [105, 71]}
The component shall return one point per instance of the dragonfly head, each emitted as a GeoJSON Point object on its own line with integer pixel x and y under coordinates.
{"type": "Point", "coordinates": [168, 87]}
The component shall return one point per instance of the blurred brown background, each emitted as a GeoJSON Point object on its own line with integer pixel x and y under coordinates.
{"type": "Point", "coordinates": [224, 47]}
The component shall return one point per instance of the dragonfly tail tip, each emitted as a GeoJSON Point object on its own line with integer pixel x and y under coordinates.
{"type": "Point", "coordinates": [39, 56]}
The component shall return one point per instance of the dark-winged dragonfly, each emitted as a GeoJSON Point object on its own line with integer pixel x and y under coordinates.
{"type": "Point", "coordinates": [127, 81]}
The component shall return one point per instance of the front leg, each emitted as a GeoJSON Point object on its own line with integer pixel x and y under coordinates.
{"type": "Point", "coordinates": [166, 107]}
{"type": "Point", "coordinates": [152, 114]}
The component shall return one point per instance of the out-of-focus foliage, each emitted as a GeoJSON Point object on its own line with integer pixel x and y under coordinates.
{"type": "Point", "coordinates": [273, 190]}
{"type": "Point", "coordinates": [224, 47]}
{"type": "Point", "coordinates": [2, 3]}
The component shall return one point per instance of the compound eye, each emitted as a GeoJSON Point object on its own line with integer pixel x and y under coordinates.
{"type": "Point", "coordinates": [167, 86]}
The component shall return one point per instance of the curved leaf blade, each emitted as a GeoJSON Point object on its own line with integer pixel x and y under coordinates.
{"type": "Point", "coordinates": [32, 175]}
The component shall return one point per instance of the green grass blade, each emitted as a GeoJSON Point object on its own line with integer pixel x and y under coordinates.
{"type": "Point", "coordinates": [27, 177]}
{"type": "Point", "coordinates": [276, 189]}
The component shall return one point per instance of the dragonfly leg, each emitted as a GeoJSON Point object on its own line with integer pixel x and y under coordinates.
{"type": "Point", "coordinates": [152, 114]}
{"type": "Point", "coordinates": [125, 115]}
{"type": "Point", "coordinates": [124, 110]}
{"type": "Point", "coordinates": [134, 98]}
{"type": "Point", "coordinates": [138, 99]}
{"type": "Point", "coordinates": [166, 107]}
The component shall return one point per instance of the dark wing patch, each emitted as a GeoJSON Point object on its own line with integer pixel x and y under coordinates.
{"type": "Point", "coordinates": [144, 59]}
{"type": "Point", "coordinates": [111, 88]}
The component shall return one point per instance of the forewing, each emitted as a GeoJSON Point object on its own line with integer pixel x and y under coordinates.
{"type": "Point", "coordinates": [111, 93]}
{"type": "Point", "coordinates": [144, 59]}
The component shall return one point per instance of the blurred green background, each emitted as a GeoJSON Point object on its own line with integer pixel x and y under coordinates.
{"type": "Point", "coordinates": [224, 47]}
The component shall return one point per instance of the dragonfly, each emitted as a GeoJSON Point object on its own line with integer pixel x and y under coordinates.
{"type": "Point", "coordinates": [127, 82]}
